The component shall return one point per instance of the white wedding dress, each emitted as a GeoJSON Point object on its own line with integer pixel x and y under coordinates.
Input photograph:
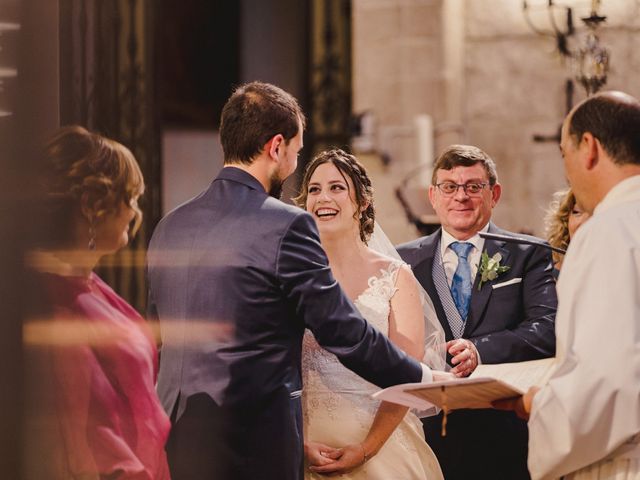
{"type": "Point", "coordinates": [338, 408]}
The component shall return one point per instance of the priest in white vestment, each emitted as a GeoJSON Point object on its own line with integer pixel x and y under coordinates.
{"type": "Point", "coordinates": [585, 422]}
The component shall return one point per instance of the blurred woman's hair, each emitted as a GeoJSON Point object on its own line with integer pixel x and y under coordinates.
{"type": "Point", "coordinates": [80, 167]}
{"type": "Point", "coordinates": [557, 221]}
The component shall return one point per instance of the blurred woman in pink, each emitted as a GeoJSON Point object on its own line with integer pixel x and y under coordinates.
{"type": "Point", "coordinates": [95, 356]}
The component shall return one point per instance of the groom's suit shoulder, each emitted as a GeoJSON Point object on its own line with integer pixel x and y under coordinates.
{"type": "Point", "coordinates": [230, 202]}
{"type": "Point", "coordinates": [284, 210]}
{"type": "Point", "coordinates": [283, 219]}
{"type": "Point", "coordinates": [238, 193]}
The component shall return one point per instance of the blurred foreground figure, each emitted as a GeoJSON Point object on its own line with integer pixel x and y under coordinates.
{"type": "Point", "coordinates": [93, 355]}
{"type": "Point", "coordinates": [585, 422]}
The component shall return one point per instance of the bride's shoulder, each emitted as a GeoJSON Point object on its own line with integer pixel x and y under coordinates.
{"type": "Point", "coordinates": [392, 266]}
{"type": "Point", "coordinates": [405, 278]}
{"type": "Point", "coordinates": [400, 270]}
{"type": "Point", "coordinates": [380, 261]}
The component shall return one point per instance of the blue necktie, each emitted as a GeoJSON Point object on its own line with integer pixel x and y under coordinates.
{"type": "Point", "coordinates": [462, 283]}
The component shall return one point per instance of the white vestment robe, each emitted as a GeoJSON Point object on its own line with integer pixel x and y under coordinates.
{"type": "Point", "coordinates": [585, 421]}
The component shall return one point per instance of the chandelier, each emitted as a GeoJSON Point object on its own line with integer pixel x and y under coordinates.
{"type": "Point", "coordinates": [589, 60]}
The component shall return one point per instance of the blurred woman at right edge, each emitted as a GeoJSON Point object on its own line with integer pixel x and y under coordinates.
{"type": "Point", "coordinates": [563, 219]}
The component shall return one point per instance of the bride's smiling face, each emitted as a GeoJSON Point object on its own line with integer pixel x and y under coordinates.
{"type": "Point", "coordinates": [331, 200]}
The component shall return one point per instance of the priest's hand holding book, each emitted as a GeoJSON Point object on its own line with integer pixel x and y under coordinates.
{"type": "Point", "coordinates": [520, 405]}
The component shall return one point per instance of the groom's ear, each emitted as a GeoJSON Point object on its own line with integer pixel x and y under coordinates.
{"type": "Point", "coordinates": [274, 145]}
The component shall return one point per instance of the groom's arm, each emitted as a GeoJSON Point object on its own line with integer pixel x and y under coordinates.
{"type": "Point", "coordinates": [319, 302]}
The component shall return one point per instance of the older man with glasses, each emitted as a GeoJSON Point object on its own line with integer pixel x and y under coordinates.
{"type": "Point", "coordinates": [496, 302]}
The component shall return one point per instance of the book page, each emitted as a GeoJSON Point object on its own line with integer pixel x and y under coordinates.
{"type": "Point", "coordinates": [474, 393]}
{"type": "Point", "coordinates": [399, 394]}
{"type": "Point", "coordinates": [488, 383]}
{"type": "Point", "coordinates": [521, 375]}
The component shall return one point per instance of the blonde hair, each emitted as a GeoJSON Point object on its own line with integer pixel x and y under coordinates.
{"type": "Point", "coordinates": [557, 220]}
{"type": "Point", "coordinates": [80, 163]}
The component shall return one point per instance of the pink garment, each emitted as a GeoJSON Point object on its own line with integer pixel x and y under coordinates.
{"type": "Point", "coordinates": [104, 364]}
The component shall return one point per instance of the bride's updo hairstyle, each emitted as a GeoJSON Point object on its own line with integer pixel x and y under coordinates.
{"type": "Point", "coordinates": [77, 163]}
{"type": "Point", "coordinates": [348, 166]}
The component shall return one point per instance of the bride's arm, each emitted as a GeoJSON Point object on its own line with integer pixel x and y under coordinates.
{"type": "Point", "coordinates": [406, 329]}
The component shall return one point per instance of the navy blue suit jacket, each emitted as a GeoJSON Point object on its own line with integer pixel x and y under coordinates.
{"type": "Point", "coordinates": [235, 277]}
{"type": "Point", "coordinates": [508, 324]}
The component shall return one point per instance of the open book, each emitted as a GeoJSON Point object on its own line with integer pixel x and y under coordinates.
{"type": "Point", "coordinates": [486, 384]}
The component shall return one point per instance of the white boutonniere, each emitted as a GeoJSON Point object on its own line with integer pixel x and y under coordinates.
{"type": "Point", "coordinates": [490, 268]}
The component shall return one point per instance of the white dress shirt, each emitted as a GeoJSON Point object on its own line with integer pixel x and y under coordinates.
{"type": "Point", "coordinates": [584, 420]}
{"type": "Point", "coordinates": [450, 258]}
{"type": "Point", "coordinates": [427, 375]}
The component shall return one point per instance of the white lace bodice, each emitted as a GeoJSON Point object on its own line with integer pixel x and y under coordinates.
{"type": "Point", "coordinates": [338, 408]}
{"type": "Point", "coordinates": [325, 379]}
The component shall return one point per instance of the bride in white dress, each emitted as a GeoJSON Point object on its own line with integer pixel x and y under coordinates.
{"type": "Point", "coordinates": [346, 431]}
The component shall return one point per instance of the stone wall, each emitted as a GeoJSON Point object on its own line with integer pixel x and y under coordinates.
{"type": "Point", "coordinates": [486, 79]}
{"type": "Point", "coordinates": [397, 74]}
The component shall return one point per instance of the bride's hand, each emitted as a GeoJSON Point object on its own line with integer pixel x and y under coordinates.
{"type": "Point", "coordinates": [319, 454]}
{"type": "Point", "coordinates": [352, 456]}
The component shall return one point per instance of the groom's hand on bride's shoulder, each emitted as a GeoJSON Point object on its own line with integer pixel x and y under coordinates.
{"type": "Point", "coordinates": [319, 454]}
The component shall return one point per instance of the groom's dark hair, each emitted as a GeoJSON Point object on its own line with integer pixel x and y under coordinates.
{"type": "Point", "coordinates": [254, 114]}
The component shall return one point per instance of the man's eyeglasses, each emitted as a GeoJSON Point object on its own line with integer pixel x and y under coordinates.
{"type": "Point", "coordinates": [473, 189]}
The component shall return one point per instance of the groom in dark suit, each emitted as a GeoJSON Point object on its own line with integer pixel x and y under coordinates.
{"type": "Point", "coordinates": [505, 315]}
{"type": "Point", "coordinates": [235, 277]}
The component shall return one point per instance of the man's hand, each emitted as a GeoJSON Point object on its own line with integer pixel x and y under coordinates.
{"type": "Point", "coordinates": [465, 356]}
{"type": "Point", "coordinates": [319, 454]}
{"type": "Point", "coordinates": [520, 405]}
